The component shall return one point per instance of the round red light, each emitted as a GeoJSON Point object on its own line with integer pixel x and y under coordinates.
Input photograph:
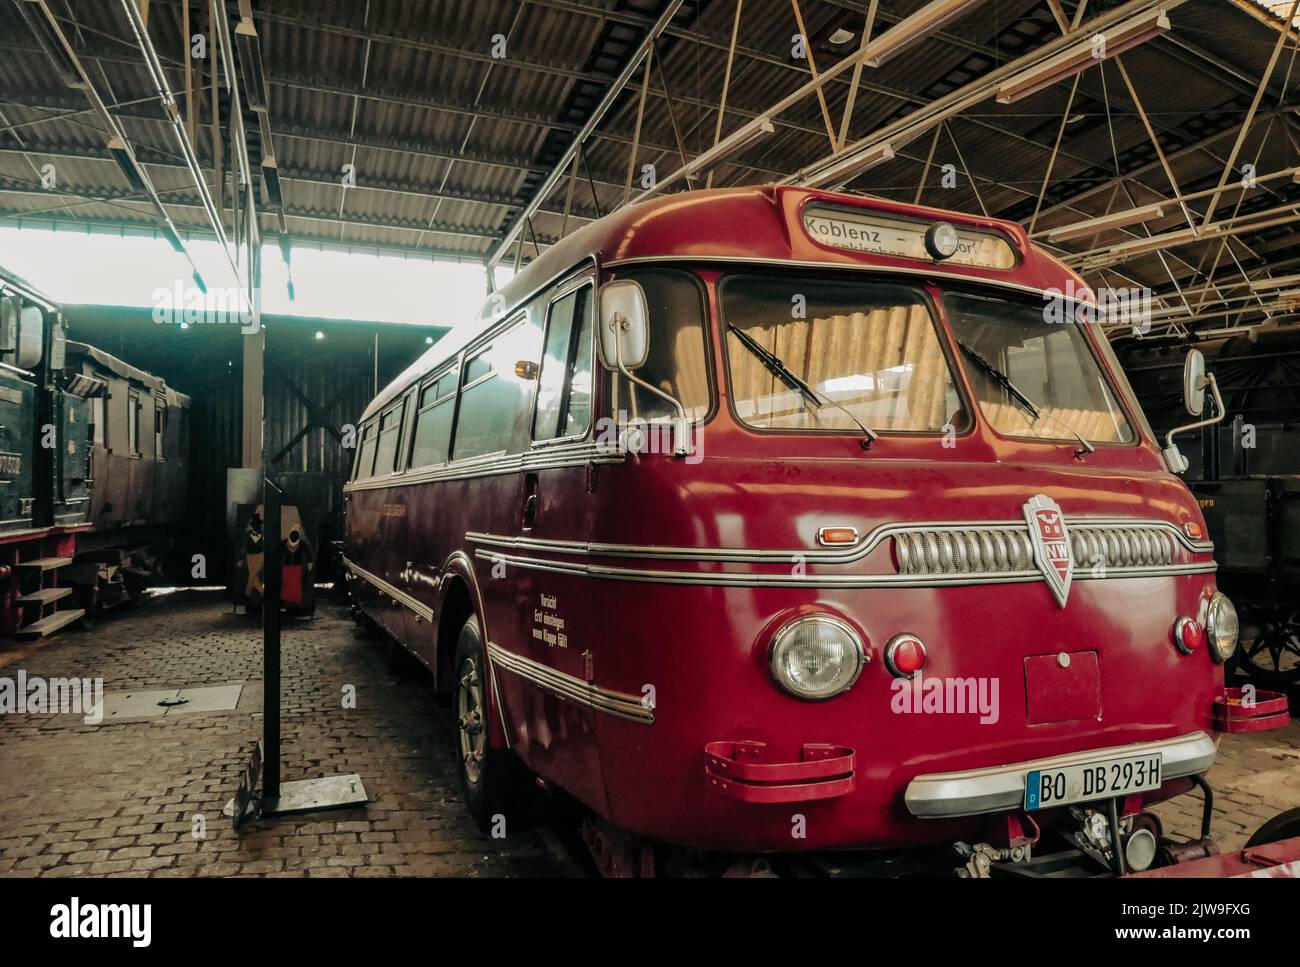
{"type": "Point", "coordinates": [905, 655]}
{"type": "Point", "coordinates": [1188, 635]}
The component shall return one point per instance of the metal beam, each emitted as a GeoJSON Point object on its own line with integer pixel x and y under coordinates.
{"type": "Point", "coordinates": [136, 18]}
{"type": "Point", "coordinates": [66, 62]}
{"type": "Point", "coordinates": [305, 176]}
{"type": "Point", "coordinates": [192, 202]}
{"type": "Point", "coordinates": [913, 125]}
{"type": "Point", "coordinates": [1250, 114]}
{"type": "Point", "coordinates": [615, 89]}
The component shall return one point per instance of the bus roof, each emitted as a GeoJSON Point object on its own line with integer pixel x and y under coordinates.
{"type": "Point", "coordinates": [753, 224]}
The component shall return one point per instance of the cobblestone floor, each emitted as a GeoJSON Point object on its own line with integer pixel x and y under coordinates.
{"type": "Point", "coordinates": [124, 799]}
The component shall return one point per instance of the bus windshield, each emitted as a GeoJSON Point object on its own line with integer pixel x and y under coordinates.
{"type": "Point", "coordinates": [870, 350]}
{"type": "Point", "coordinates": [1032, 377]}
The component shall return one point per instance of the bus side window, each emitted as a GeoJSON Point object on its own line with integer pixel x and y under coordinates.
{"type": "Point", "coordinates": [431, 441]}
{"type": "Point", "coordinates": [390, 435]}
{"type": "Point", "coordinates": [493, 397]}
{"type": "Point", "coordinates": [677, 363]}
{"type": "Point", "coordinates": [366, 452]}
{"type": "Point", "coordinates": [564, 386]}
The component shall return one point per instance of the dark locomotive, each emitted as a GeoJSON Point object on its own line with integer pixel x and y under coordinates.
{"type": "Point", "coordinates": [93, 456]}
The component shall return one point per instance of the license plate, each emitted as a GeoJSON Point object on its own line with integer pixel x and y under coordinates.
{"type": "Point", "coordinates": [1104, 779]}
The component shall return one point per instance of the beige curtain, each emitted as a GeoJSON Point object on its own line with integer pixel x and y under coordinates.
{"type": "Point", "coordinates": [1010, 419]}
{"type": "Point", "coordinates": [895, 345]}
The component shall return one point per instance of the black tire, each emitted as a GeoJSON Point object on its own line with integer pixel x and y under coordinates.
{"type": "Point", "coordinates": [487, 775]}
{"type": "Point", "coordinates": [1282, 826]}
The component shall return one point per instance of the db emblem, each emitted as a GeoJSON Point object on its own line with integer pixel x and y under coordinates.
{"type": "Point", "coordinates": [1051, 544]}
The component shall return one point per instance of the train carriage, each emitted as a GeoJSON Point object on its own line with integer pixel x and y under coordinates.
{"type": "Point", "coordinates": [93, 469]}
{"type": "Point", "coordinates": [773, 520]}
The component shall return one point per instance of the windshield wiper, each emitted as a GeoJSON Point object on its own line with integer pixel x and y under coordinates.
{"type": "Point", "coordinates": [1002, 379]}
{"type": "Point", "coordinates": [777, 367]}
{"type": "Point", "coordinates": [1014, 392]}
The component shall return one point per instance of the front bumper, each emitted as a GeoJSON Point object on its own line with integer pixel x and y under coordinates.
{"type": "Point", "coordinates": [1000, 788]}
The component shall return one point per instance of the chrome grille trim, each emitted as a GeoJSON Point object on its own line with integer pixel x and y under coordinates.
{"type": "Point", "coordinates": [964, 550]}
{"type": "Point", "coordinates": [1007, 549]}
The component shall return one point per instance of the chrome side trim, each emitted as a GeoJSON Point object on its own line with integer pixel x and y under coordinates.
{"type": "Point", "coordinates": [725, 579]}
{"type": "Point", "coordinates": [998, 788]}
{"type": "Point", "coordinates": [495, 464]}
{"type": "Point", "coordinates": [812, 555]}
{"type": "Point", "coordinates": [575, 689]}
{"type": "Point", "coordinates": [397, 594]}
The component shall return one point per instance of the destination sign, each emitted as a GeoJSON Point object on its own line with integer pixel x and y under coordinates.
{"type": "Point", "coordinates": [878, 235]}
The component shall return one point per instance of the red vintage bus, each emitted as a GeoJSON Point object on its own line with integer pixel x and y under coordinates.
{"type": "Point", "coordinates": [771, 520]}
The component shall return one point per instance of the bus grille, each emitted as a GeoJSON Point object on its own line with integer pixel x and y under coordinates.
{"type": "Point", "coordinates": [1005, 550]}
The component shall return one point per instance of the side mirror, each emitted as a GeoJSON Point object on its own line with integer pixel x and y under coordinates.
{"type": "Point", "coordinates": [624, 325]}
{"type": "Point", "coordinates": [625, 344]}
{"type": "Point", "coordinates": [1194, 382]}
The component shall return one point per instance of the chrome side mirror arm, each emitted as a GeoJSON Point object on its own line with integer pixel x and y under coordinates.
{"type": "Point", "coordinates": [681, 422]}
{"type": "Point", "coordinates": [1173, 456]}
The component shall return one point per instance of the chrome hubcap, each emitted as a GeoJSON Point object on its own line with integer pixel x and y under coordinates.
{"type": "Point", "coordinates": [470, 726]}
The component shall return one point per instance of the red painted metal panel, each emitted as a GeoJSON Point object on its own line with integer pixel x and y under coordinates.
{"type": "Point", "coordinates": [1273, 860]}
{"type": "Point", "coordinates": [1062, 693]}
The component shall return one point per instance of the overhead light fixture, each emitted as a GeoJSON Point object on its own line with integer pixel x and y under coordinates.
{"type": "Point", "coordinates": [173, 239]}
{"type": "Point", "coordinates": [271, 180]}
{"type": "Point", "coordinates": [126, 161]}
{"type": "Point", "coordinates": [1104, 223]}
{"type": "Point", "coordinates": [1078, 58]}
{"type": "Point", "coordinates": [845, 169]}
{"type": "Point", "coordinates": [840, 37]}
{"type": "Point", "coordinates": [48, 36]}
{"type": "Point", "coordinates": [250, 64]}
{"type": "Point", "coordinates": [916, 28]}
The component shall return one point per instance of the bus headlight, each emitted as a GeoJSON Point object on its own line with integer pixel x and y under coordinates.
{"type": "Point", "coordinates": [816, 657]}
{"type": "Point", "coordinates": [1222, 625]}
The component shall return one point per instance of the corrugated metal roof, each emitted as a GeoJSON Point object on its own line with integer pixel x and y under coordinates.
{"type": "Point", "coordinates": [448, 141]}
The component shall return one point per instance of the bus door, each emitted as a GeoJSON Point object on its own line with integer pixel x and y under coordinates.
{"type": "Point", "coordinates": [387, 559]}
{"type": "Point", "coordinates": [430, 527]}
{"type": "Point", "coordinates": [556, 636]}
